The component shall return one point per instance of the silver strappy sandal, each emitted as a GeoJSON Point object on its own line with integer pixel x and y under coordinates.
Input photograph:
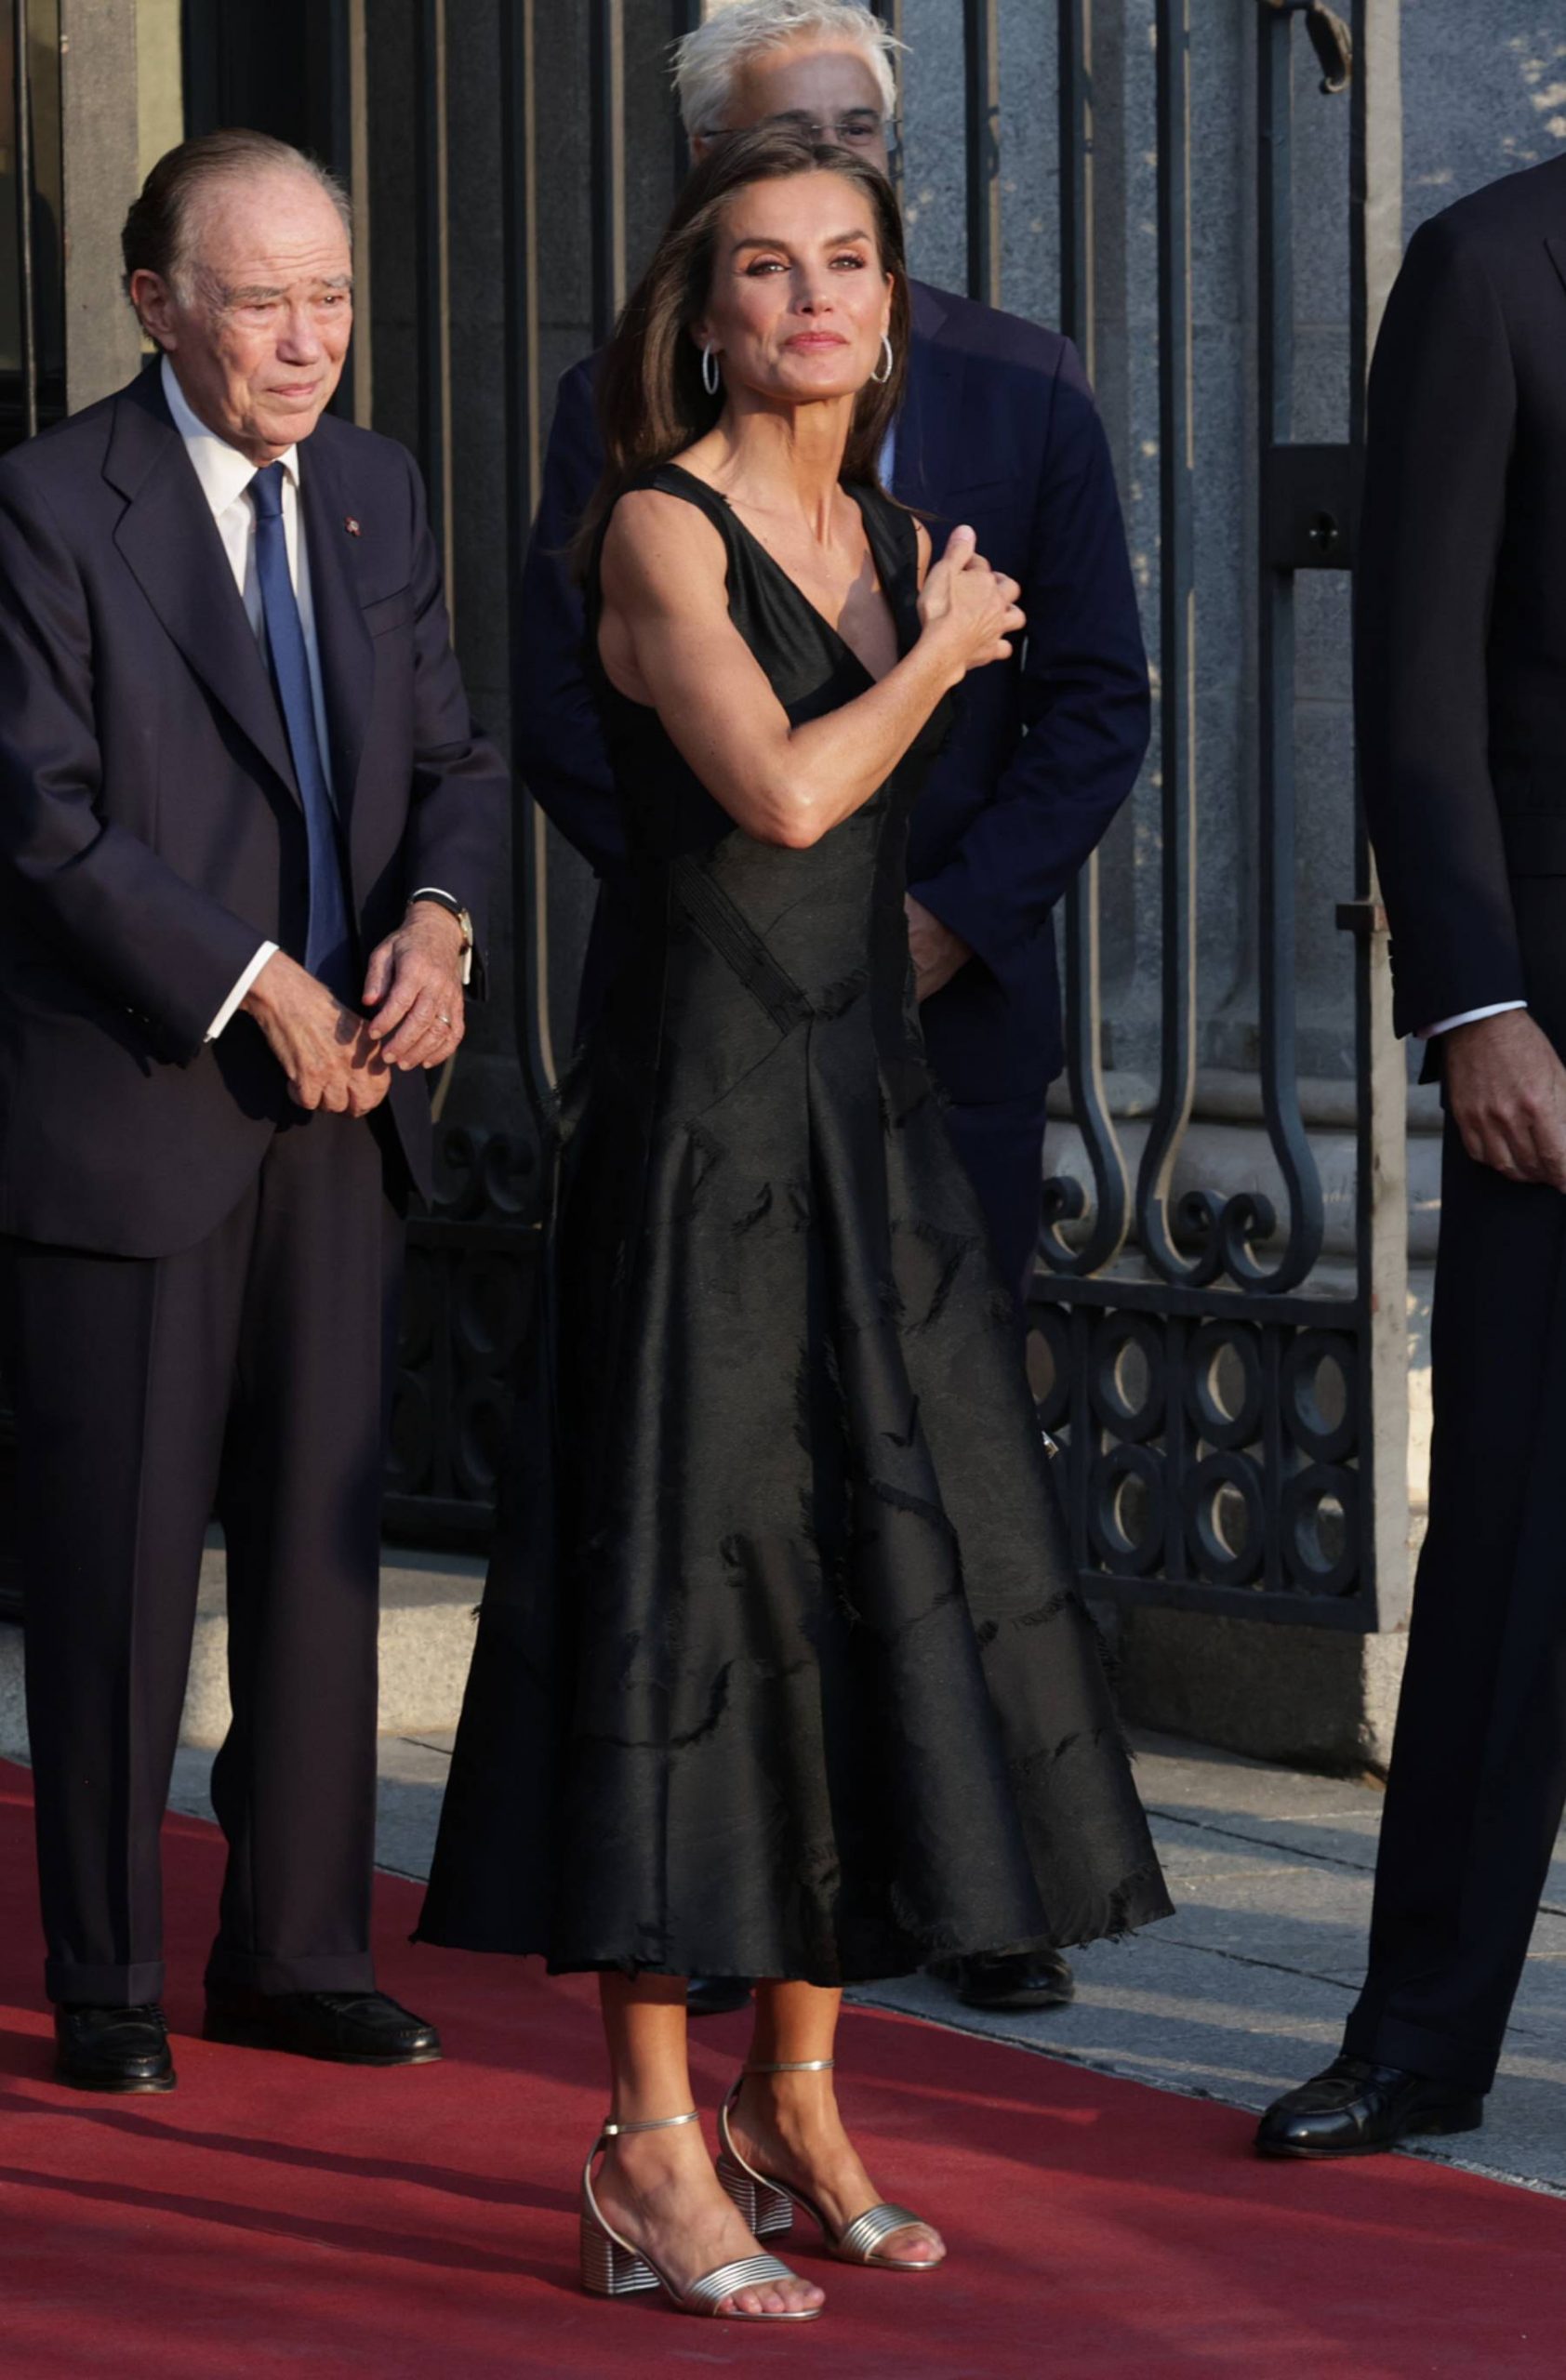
{"type": "Point", "coordinates": [611, 2268]}
{"type": "Point", "coordinates": [768, 2204]}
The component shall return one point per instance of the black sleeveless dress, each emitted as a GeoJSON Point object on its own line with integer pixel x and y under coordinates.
{"type": "Point", "coordinates": [780, 1670]}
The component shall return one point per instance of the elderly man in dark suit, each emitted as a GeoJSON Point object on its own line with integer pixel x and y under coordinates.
{"type": "Point", "coordinates": [999, 430]}
{"type": "Point", "coordinates": [1461, 687]}
{"type": "Point", "coordinates": [246, 826]}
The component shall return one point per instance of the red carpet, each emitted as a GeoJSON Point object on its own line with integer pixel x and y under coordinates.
{"type": "Point", "coordinates": [273, 2217]}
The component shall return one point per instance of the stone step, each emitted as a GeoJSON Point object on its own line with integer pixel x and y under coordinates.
{"type": "Point", "coordinates": [427, 1605]}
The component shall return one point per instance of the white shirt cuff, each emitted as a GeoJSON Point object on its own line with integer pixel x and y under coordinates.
{"type": "Point", "coordinates": [1470, 1016]}
{"type": "Point", "coordinates": [268, 950]}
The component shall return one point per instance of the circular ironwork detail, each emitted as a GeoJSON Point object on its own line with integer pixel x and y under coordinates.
{"type": "Point", "coordinates": [1049, 1365]}
{"type": "Point", "coordinates": [1312, 1427]}
{"type": "Point", "coordinates": [1119, 1339]}
{"type": "Point", "coordinates": [1112, 1483]}
{"type": "Point", "coordinates": [1225, 1421]}
{"type": "Point", "coordinates": [1224, 1556]}
{"type": "Point", "coordinates": [480, 1438]}
{"type": "Point", "coordinates": [1311, 1564]}
{"type": "Point", "coordinates": [488, 1299]}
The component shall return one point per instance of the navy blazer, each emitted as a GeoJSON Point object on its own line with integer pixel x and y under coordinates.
{"type": "Point", "coordinates": [1460, 609]}
{"type": "Point", "coordinates": [151, 830]}
{"type": "Point", "coordinates": [998, 430]}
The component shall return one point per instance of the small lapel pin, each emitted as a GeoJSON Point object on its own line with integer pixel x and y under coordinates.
{"type": "Point", "coordinates": [351, 525]}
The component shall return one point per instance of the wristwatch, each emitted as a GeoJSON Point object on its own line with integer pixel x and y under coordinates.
{"type": "Point", "coordinates": [449, 902]}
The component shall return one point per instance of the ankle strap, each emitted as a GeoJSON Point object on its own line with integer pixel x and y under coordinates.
{"type": "Point", "coordinates": [796, 2066]}
{"type": "Point", "coordinates": [649, 2123]}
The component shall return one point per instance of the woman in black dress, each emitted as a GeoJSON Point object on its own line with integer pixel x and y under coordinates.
{"type": "Point", "coordinates": [781, 1671]}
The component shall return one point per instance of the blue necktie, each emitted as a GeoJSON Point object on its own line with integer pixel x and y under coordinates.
{"type": "Point", "coordinates": [328, 949]}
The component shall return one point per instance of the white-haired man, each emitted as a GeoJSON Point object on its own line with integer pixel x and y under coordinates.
{"type": "Point", "coordinates": [998, 430]}
{"type": "Point", "coordinates": [245, 825]}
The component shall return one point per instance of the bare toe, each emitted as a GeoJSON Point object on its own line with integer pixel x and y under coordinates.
{"type": "Point", "coordinates": [791, 2296]}
{"type": "Point", "coordinates": [921, 2245]}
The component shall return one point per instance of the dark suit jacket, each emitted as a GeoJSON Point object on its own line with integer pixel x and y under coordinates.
{"type": "Point", "coordinates": [150, 833]}
{"type": "Point", "coordinates": [998, 430]}
{"type": "Point", "coordinates": [1461, 601]}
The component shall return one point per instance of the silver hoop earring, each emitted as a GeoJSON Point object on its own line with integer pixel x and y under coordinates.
{"type": "Point", "coordinates": [889, 360]}
{"type": "Point", "coordinates": [710, 378]}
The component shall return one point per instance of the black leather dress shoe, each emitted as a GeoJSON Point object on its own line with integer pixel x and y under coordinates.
{"type": "Point", "coordinates": [112, 2049]}
{"type": "Point", "coordinates": [716, 1995]}
{"type": "Point", "coordinates": [1356, 2109]}
{"type": "Point", "coordinates": [350, 2028]}
{"type": "Point", "coordinates": [1011, 1980]}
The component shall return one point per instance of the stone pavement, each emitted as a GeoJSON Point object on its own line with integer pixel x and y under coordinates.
{"type": "Point", "coordinates": [1241, 1993]}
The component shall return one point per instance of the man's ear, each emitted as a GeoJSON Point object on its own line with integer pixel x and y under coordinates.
{"type": "Point", "coordinates": [154, 301]}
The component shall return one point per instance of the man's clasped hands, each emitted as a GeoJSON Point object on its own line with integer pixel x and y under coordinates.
{"type": "Point", "coordinates": [337, 1060]}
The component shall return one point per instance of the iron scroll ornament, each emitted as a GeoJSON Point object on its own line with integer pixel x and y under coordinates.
{"type": "Point", "coordinates": [1064, 1199]}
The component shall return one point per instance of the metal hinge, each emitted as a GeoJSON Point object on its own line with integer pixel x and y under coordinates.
{"type": "Point", "coordinates": [1330, 38]}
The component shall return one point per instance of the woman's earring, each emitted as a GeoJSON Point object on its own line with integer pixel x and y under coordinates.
{"type": "Point", "coordinates": [888, 361]}
{"type": "Point", "coordinates": [711, 380]}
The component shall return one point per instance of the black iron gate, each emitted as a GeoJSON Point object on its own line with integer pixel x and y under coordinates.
{"type": "Point", "coordinates": [1233, 1408]}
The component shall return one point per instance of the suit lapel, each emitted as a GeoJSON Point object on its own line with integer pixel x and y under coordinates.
{"type": "Point", "coordinates": [1556, 243]}
{"type": "Point", "coordinates": [925, 462]}
{"type": "Point", "coordinates": [171, 546]}
{"type": "Point", "coordinates": [346, 648]}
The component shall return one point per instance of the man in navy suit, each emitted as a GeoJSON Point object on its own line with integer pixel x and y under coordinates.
{"type": "Point", "coordinates": [1460, 710]}
{"type": "Point", "coordinates": [999, 430]}
{"type": "Point", "coordinates": [247, 826]}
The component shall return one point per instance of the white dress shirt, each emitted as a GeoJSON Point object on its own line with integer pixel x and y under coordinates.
{"type": "Point", "coordinates": [1470, 1016]}
{"type": "Point", "coordinates": [225, 475]}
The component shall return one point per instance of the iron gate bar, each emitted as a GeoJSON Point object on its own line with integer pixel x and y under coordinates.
{"type": "Point", "coordinates": [523, 427]}
{"type": "Point", "coordinates": [27, 295]}
{"type": "Point", "coordinates": [1380, 1067]}
{"type": "Point", "coordinates": [1176, 656]}
{"type": "Point", "coordinates": [433, 352]}
{"type": "Point", "coordinates": [1064, 1199]}
{"type": "Point", "coordinates": [981, 96]}
{"type": "Point", "coordinates": [1133, 1293]}
{"type": "Point", "coordinates": [1276, 819]}
{"type": "Point", "coordinates": [607, 67]}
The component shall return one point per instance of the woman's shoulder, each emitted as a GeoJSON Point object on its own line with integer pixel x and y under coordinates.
{"type": "Point", "coordinates": [653, 530]}
{"type": "Point", "coordinates": [667, 496]}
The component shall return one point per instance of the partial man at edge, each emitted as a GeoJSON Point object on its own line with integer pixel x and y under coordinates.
{"type": "Point", "coordinates": [1461, 706]}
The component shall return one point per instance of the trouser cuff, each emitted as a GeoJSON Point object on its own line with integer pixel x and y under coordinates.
{"type": "Point", "coordinates": [69, 1985]}
{"type": "Point", "coordinates": [247, 1971]}
{"type": "Point", "coordinates": [1391, 2041]}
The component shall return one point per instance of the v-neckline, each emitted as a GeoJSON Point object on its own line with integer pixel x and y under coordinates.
{"type": "Point", "coordinates": [817, 614]}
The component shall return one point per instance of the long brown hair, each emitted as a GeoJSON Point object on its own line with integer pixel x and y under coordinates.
{"type": "Point", "coordinates": [651, 402]}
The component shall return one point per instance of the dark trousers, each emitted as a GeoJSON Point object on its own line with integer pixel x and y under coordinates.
{"type": "Point", "coordinates": [1001, 1145]}
{"type": "Point", "coordinates": [1478, 1764]}
{"type": "Point", "coordinates": [244, 1375]}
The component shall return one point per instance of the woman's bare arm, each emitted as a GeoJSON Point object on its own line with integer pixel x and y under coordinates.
{"type": "Point", "coordinates": [666, 638]}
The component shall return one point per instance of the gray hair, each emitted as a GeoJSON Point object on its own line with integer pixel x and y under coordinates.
{"type": "Point", "coordinates": [157, 237]}
{"type": "Point", "coordinates": [707, 60]}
